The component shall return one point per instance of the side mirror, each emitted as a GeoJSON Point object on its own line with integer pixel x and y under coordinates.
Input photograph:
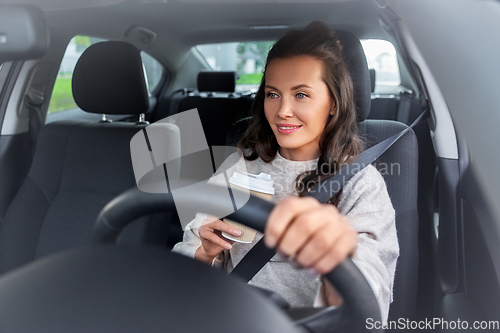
{"type": "Point", "coordinates": [23, 32]}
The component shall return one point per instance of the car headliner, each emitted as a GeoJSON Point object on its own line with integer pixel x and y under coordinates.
{"type": "Point", "coordinates": [181, 24]}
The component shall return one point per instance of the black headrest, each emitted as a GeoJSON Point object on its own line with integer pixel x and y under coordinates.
{"type": "Point", "coordinates": [109, 78]}
{"type": "Point", "coordinates": [358, 67]}
{"type": "Point", "coordinates": [217, 81]}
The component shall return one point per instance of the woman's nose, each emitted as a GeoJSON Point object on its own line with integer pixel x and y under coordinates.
{"type": "Point", "coordinates": [285, 111]}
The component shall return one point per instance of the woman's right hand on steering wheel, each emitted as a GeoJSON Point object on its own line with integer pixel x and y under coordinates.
{"type": "Point", "coordinates": [212, 241]}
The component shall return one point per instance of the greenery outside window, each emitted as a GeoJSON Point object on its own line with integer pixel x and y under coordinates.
{"type": "Point", "coordinates": [62, 96]}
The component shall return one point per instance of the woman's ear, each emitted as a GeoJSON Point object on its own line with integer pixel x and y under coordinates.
{"type": "Point", "coordinates": [333, 105]}
{"type": "Point", "coordinates": [333, 109]}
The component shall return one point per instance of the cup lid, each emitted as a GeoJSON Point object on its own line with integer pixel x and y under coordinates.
{"type": "Point", "coordinates": [260, 183]}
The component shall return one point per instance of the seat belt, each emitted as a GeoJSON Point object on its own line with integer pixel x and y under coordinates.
{"type": "Point", "coordinates": [260, 254]}
{"type": "Point", "coordinates": [404, 107]}
{"type": "Point", "coordinates": [34, 100]}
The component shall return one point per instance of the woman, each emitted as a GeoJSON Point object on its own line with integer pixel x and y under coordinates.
{"type": "Point", "coordinates": [303, 128]}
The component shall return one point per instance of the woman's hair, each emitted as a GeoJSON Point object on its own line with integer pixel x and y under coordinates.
{"type": "Point", "coordinates": [340, 141]}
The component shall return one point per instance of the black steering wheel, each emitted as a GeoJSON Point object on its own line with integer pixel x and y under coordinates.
{"type": "Point", "coordinates": [359, 303]}
{"type": "Point", "coordinates": [137, 288]}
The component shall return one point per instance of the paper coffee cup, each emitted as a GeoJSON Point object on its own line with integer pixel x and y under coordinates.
{"type": "Point", "coordinates": [261, 186]}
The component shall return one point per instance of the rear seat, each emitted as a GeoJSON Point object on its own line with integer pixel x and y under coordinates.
{"type": "Point", "coordinates": [403, 107]}
{"type": "Point", "coordinates": [218, 105]}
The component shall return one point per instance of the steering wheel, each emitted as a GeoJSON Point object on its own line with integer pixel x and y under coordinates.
{"type": "Point", "coordinates": [359, 303]}
{"type": "Point", "coordinates": [137, 288]}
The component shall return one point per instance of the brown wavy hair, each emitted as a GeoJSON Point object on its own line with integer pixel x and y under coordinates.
{"type": "Point", "coordinates": [340, 141]}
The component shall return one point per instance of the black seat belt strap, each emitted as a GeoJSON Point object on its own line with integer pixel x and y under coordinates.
{"type": "Point", "coordinates": [254, 260]}
{"type": "Point", "coordinates": [33, 100]}
{"type": "Point", "coordinates": [323, 193]}
{"type": "Point", "coordinates": [404, 107]}
{"type": "Point", "coordinates": [259, 254]}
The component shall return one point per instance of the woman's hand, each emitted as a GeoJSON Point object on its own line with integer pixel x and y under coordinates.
{"type": "Point", "coordinates": [316, 235]}
{"type": "Point", "coordinates": [212, 241]}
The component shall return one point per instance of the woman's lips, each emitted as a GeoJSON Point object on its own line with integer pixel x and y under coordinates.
{"type": "Point", "coordinates": [287, 128]}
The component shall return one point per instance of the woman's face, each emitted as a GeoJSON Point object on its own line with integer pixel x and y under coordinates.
{"type": "Point", "coordinates": [297, 105]}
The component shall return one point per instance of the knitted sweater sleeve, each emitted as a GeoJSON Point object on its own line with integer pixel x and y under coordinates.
{"type": "Point", "coordinates": [191, 239]}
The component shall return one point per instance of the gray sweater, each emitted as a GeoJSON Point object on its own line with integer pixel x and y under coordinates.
{"type": "Point", "coordinates": [364, 202]}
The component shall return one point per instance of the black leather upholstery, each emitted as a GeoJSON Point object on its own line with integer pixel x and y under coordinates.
{"type": "Point", "coordinates": [78, 166]}
{"type": "Point", "coordinates": [109, 78]}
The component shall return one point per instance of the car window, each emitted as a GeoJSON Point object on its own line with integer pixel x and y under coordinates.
{"type": "Point", "coordinates": [249, 58]}
{"type": "Point", "coordinates": [381, 56]}
{"type": "Point", "coordinates": [62, 96]}
{"type": "Point", "coordinates": [246, 58]}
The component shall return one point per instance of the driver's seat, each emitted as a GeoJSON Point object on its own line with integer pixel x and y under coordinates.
{"type": "Point", "coordinates": [398, 166]}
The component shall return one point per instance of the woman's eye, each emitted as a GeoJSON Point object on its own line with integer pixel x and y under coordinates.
{"type": "Point", "coordinates": [271, 95]}
{"type": "Point", "coordinates": [301, 95]}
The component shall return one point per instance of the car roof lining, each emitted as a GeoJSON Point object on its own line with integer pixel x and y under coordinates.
{"type": "Point", "coordinates": [221, 22]}
{"type": "Point", "coordinates": [50, 5]}
{"type": "Point", "coordinates": [215, 22]}
{"type": "Point", "coordinates": [209, 22]}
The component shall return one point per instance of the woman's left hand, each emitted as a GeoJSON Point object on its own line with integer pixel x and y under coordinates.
{"type": "Point", "coordinates": [316, 235]}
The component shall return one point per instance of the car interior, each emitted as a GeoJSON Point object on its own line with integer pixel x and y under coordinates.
{"type": "Point", "coordinates": [61, 171]}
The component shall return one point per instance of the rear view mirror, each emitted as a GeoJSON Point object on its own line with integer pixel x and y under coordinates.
{"type": "Point", "coordinates": [23, 32]}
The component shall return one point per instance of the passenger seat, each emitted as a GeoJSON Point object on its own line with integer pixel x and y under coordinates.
{"type": "Point", "coordinates": [79, 166]}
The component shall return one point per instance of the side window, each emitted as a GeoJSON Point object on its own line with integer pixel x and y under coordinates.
{"type": "Point", "coordinates": [381, 56]}
{"type": "Point", "coordinates": [62, 96]}
{"type": "Point", "coordinates": [153, 70]}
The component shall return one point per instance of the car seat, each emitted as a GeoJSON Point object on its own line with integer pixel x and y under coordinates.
{"type": "Point", "coordinates": [79, 166]}
{"type": "Point", "coordinates": [217, 103]}
{"type": "Point", "coordinates": [398, 166]}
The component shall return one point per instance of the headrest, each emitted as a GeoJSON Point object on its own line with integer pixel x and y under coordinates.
{"type": "Point", "coordinates": [109, 78]}
{"type": "Point", "coordinates": [355, 59]}
{"type": "Point", "coordinates": [217, 81]}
